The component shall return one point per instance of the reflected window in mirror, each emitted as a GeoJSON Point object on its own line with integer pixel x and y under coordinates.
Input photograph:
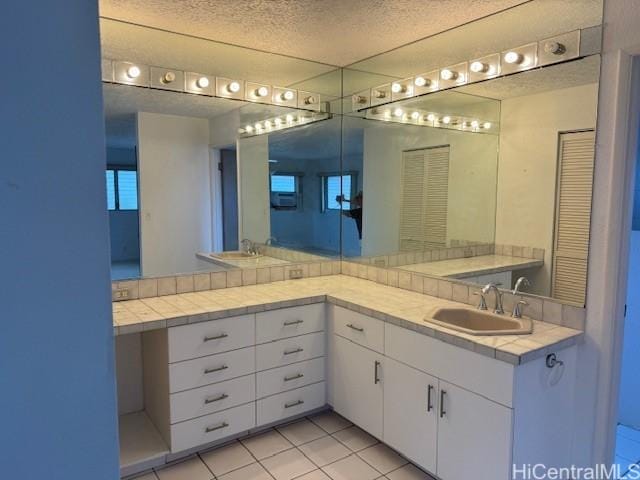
{"type": "Point", "coordinates": [285, 191]}
{"type": "Point", "coordinates": [122, 188]}
{"type": "Point", "coordinates": [339, 192]}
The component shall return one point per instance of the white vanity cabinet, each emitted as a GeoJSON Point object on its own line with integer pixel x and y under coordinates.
{"type": "Point", "coordinates": [456, 413]}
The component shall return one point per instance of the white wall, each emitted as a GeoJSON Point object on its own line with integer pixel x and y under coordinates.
{"type": "Point", "coordinates": [175, 193]}
{"type": "Point", "coordinates": [472, 183]}
{"type": "Point", "coordinates": [253, 188]}
{"type": "Point", "coordinates": [527, 168]}
{"type": "Point", "coordinates": [56, 335]}
{"type": "Point", "coordinates": [630, 380]}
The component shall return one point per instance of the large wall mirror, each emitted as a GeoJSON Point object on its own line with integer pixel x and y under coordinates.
{"type": "Point", "coordinates": [217, 181]}
{"type": "Point", "coordinates": [475, 170]}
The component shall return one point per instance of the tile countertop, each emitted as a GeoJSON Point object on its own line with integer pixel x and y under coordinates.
{"type": "Point", "coordinates": [400, 307]}
{"type": "Point", "coordinates": [472, 266]}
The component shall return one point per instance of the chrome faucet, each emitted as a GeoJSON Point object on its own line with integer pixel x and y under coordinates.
{"type": "Point", "coordinates": [248, 246]}
{"type": "Point", "coordinates": [270, 240]}
{"type": "Point", "coordinates": [498, 305]}
{"type": "Point", "coordinates": [517, 307]}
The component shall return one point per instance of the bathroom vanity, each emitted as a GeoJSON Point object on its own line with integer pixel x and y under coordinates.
{"type": "Point", "coordinates": [222, 363]}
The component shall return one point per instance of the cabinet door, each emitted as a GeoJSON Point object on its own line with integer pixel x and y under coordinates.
{"type": "Point", "coordinates": [474, 436]}
{"type": "Point", "coordinates": [411, 413]}
{"type": "Point", "coordinates": [357, 384]}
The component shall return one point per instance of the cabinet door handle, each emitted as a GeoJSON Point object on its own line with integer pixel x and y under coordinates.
{"type": "Point", "coordinates": [217, 427]}
{"type": "Point", "coordinates": [429, 402]}
{"type": "Point", "coordinates": [376, 378]}
{"type": "Point", "coordinates": [207, 401]}
{"type": "Point", "coordinates": [353, 327]}
{"type": "Point", "coordinates": [293, 377]}
{"type": "Point", "coordinates": [443, 393]}
{"type": "Point", "coordinates": [294, 404]}
{"type": "Point", "coordinates": [295, 350]}
{"type": "Point", "coordinates": [292, 322]}
{"type": "Point", "coordinates": [216, 337]}
{"type": "Point", "coordinates": [216, 369]}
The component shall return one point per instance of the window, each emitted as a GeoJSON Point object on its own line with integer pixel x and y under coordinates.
{"type": "Point", "coordinates": [333, 186]}
{"type": "Point", "coordinates": [122, 189]}
{"type": "Point", "coordinates": [285, 191]}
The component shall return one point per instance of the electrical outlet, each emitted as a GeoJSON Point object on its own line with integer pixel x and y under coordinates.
{"type": "Point", "coordinates": [121, 294]}
{"type": "Point", "coordinates": [380, 262]}
{"type": "Point", "coordinates": [295, 273]}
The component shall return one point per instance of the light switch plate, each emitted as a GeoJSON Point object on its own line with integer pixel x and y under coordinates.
{"type": "Point", "coordinates": [295, 273]}
{"type": "Point", "coordinates": [121, 294]}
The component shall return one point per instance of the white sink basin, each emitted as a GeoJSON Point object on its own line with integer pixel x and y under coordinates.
{"type": "Point", "coordinates": [237, 255]}
{"type": "Point", "coordinates": [479, 322]}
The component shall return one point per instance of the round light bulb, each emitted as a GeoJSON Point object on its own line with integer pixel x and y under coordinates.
{"type": "Point", "coordinates": [398, 88]}
{"type": "Point", "coordinates": [379, 93]}
{"type": "Point", "coordinates": [398, 112]}
{"type": "Point", "coordinates": [421, 82]}
{"type": "Point", "coordinates": [261, 92]}
{"type": "Point", "coordinates": [202, 82]}
{"type": "Point", "coordinates": [309, 100]}
{"type": "Point", "coordinates": [168, 77]}
{"type": "Point", "coordinates": [289, 118]}
{"type": "Point", "coordinates": [267, 123]}
{"type": "Point", "coordinates": [415, 115]}
{"type": "Point", "coordinates": [287, 96]}
{"type": "Point", "coordinates": [555, 48]}
{"type": "Point", "coordinates": [278, 122]}
{"type": "Point", "coordinates": [478, 67]}
{"type": "Point", "coordinates": [431, 117]}
{"type": "Point", "coordinates": [513, 57]}
{"type": "Point", "coordinates": [446, 120]}
{"type": "Point", "coordinates": [233, 87]}
{"type": "Point", "coordinates": [475, 124]}
{"type": "Point", "coordinates": [133, 72]}
{"type": "Point", "coordinates": [486, 125]}
{"type": "Point", "coordinates": [447, 74]}
{"type": "Point", "coordinates": [258, 126]}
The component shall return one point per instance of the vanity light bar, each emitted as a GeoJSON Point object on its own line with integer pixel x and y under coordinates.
{"type": "Point", "coordinates": [552, 50]}
{"type": "Point", "coordinates": [282, 122]}
{"type": "Point", "coordinates": [431, 119]}
{"type": "Point", "coordinates": [129, 73]}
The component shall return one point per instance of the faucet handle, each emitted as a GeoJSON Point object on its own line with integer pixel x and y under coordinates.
{"type": "Point", "coordinates": [517, 308]}
{"type": "Point", "coordinates": [482, 305]}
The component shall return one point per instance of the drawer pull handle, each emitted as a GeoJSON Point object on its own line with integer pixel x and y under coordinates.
{"type": "Point", "coordinates": [443, 393]}
{"type": "Point", "coordinates": [429, 403]}
{"type": "Point", "coordinates": [293, 377]}
{"type": "Point", "coordinates": [216, 337]}
{"type": "Point", "coordinates": [214, 370]}
{"type": "Point", "coordinates": [376, 377]}
{"type": "Point", "coordinates": [217, 427]}
{"type": "Point", "coordinates": [294, 404]}
{"type": "Point", "coordinates": [292, 322]}
{"type": "Point", "coordinates": [207, 401]}
{"type": "Point", "coordinates": [353, 327]}
{"type": "Point", "coordinates": [291, 352]}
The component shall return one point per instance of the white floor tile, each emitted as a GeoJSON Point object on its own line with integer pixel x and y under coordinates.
{"type": "Point", "coordinates": [324, 451]}
{"type": "Point", "coordinates": [382, 458]}
{"type": "Point", "coordinates": [351, 468]}
{"type": "Point", "coordinates": [408, 472]}
{"type": "Point", "coordinates": [288, 465]}
{"type": "Point", "coordinates": [225, 459]}
{"type": "Point", "coordinates": [330, 422]}
{"type": "Point", "coordinates": [315, 475]}
{"type": "Point", "coordinates": [354, 438]}
{"type": "Point", "coordinates": [192, 469]}
{"type": "Point", "coordinates": [301, 432]}
{"type": "Point", "coordinates": [255, 471]}
{"type": "Point", "coordinates": [267, 444]}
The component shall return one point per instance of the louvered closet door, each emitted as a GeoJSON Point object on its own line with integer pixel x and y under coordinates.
{"type": "Point", "coordinates": [424, 197]}
{"type": "Point", "coordinates": [573, 216]}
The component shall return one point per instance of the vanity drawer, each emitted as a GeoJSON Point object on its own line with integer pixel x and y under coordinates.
{"type": "Point", "coordinates": [212, 369]}
{"type": "Point", "coordinates": [212, 398]}
{"type": "Point", "coordinates": [290, 350]}
{"type": "Point", "coordinates": [289, 322]}
{"type": "Point", "coordinates": [288, 404]}
{"type": "Point", "coordinates": [289, 377]}
{"type": "Point", "coordinates": [210, 428]}
{"type": "Point", "coordinates": [207, 338]}
{"type": "Point", "coordinates": [359, 328]}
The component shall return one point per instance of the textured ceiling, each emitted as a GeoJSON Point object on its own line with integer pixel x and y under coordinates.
{"type": "Point", "coordinates": [337, 32]}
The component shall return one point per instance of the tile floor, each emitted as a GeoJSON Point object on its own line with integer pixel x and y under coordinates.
{"type": "Point", "coordinates": [627, 447]}
{"type": "Point", "coordinates": [321, 447]}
